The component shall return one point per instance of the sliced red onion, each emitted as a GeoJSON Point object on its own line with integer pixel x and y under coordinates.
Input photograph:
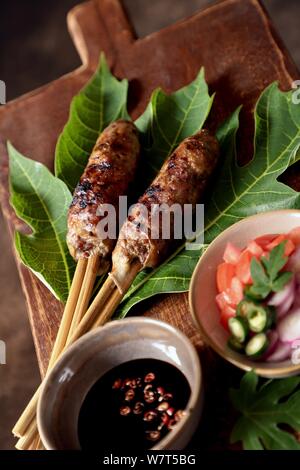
{"type": "Point", "coordinates": [289, 327]}
{"type": "Point", "coordinates": [297, 297]}
{"type": "Point", "coordinates": [284, 309]}
{"type": "Point", "coordinates": [280, 298]}
{"type": "Point", "coordinates": [273, 340]}
{"type": "Point", "coordinates": [295, 352]}
{"type": "Point", "coordinates": [281, 352]}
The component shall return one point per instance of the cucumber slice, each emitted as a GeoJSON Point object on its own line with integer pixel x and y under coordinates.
{"type": "Point", "coordinates": [258, 319]}
{"type": "Point", "coordinates": [239, 328]}
{"type": "Point", "coordinates": [244, 307]}
{"type": "Point", "coordinates": [257, 345]}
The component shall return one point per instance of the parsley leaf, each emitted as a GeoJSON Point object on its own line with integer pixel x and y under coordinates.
{"type": "Point", "coordinates": [276, 260]}
{"type": "Point", "coordinates": [263, 409]}
{"type": "Point", "coordinates": [281, 281]}
{"type": "Point", "coordinates": [266, 273]}
{"type": "Point", "coordinates": [258, 273]}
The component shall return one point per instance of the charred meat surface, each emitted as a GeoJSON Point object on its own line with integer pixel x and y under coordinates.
{"type": "Point", "coordinates": [110, 170]}
{"type": "Point", "coordinates": [181, 180]}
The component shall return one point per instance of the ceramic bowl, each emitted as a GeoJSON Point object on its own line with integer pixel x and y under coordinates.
{"type": "Point", "coordinates": [203, 290]}
{"type": "Point", "coordinates": [101, 350]}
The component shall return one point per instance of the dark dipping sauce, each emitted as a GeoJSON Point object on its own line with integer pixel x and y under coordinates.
{"type": "Point", "coordinates": [133, 406]}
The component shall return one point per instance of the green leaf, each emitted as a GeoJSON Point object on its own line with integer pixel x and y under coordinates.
{"type": "Point", "coordinates": [259, 291]}
{"type": "Point", "coordinates": [45, 252]}
{"type": "Point", "coordinates": [266, 272]}
{"type": "Point", "coordinates": [265, 262]}
{"type": "Point", "coordinates": [261, 282]}
{"type": "Point", "coordinates": [276, 260]}
{"type": "Point", "coordinates": [100, 102]}
{"type": "Point", "coordinates": [238, 191]}
{"type": "Point", "coordinates": [263, 410]}
{"type": "Point", "coordinates": [168, 119]}
{"type": "Point", "coordinates": [42, 201]}
{"type": "Point", "coordinates": [281, 281]}
{"type": "Point", "coordinates": [258, 273]}
{"type": "Point", "coordinates": [172, 276]}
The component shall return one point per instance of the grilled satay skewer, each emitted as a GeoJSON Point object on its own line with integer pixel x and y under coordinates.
{"type": "Point", "coordinates": [111, 169]}
{"type": "Point", "coordinates": [182, 180]}
{"type": "Point", "coordinates": [108, 174]}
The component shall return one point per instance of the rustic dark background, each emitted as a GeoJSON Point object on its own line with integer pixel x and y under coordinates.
{"type": "Point", "coordinates": [35, 48]}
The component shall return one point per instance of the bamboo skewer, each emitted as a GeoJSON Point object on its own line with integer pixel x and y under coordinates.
{"type": "Point", "coordinates": [86, 271]}
{"type": "Point", "coordinates": [87, 322]}
{"type": "Point", "coordinates": [37, 444]}
{"type": "Point", "coordinates": [109, 310]}
{"type": "Point", "coordinates": [104, 304]}
{"type": "Point", "coordinates": [80, 292]}
{"type": "Point", "coordinates": [100, 311]}
{"type": "Point", "coordinates": [26, 417]}
{"type": "Point", "coordinates": [25, 441]}
{"type": "Point", "coordinates": [28, 414]}
{"type": "Point", "coordinates": [68, 315]}
{"type": "Point", "coordinates": [85, 294]}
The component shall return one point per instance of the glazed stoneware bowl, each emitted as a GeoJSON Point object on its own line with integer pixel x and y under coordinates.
{"type": "Point", "coordinates": [203, 288]}
{"type": "Point", "coordinates": [101, 350]}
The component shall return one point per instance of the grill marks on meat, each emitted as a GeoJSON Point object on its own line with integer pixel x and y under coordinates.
{"type": "Point", "coordinates": [181, 180]}
{"type": "Point", "coordinates": [110, 170]}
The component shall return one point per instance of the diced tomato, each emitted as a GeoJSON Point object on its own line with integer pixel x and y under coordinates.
{"type": "Point", "coordinates": [255, 249]}
{"type": "Point", "coordinates": [294, 235]}
{"type": "Point", "coordinates": [223, 300]}
{"type": "Point", "coordinates": [231, 253]}
{"type": "Point", "coordinates": [235, 293]}
{"type": "Point", "coordinates": [265, 240]}
{"type": "Point", "coordinates": [227, 312]}
{"type": "Point", "coordinates": [225, 273]}
{"type": "Point", "coordinates": [243, 268]}
{"type": "Point", "coordinates": [289, 246]}
{"type": "Point", "coordinates": [275, 242]}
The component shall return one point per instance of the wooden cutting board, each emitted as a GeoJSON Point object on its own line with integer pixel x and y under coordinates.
{"type": "Point", "coordinates": [236, 43]}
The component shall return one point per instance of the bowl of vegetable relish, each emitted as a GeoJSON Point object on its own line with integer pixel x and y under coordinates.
{"type": "Point", "coordinates": [245, 294]}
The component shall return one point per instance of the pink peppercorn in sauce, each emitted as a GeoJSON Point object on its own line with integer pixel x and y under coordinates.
{"type": "Point", "coordinates": [133, 406]}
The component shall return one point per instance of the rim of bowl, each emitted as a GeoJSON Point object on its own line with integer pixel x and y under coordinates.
{"type": "Point", "coordinates": [275, 373]}
{"type": "Point", "coordinates": [196, 391]}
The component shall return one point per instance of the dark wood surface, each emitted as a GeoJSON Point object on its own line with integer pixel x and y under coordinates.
{"type": "Point", "coordinates": [241, 53]}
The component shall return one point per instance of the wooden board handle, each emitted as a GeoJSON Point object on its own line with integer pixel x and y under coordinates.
{"type": "Point", "coordinates": [87, 19]}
